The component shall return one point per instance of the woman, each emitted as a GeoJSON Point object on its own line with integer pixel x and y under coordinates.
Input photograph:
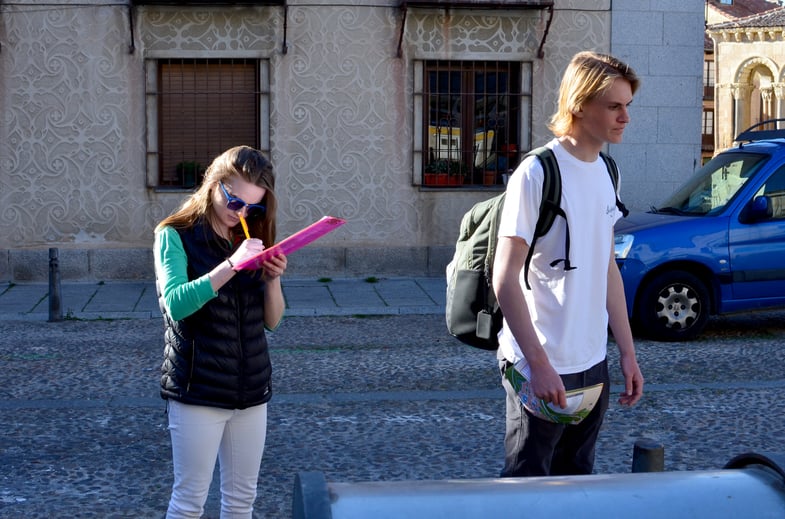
{"type": "Point", "coordinates": [216, 369]}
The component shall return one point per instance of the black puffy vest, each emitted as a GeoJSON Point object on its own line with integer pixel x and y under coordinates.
{"type": "Point", "coordinates": [218, 355]}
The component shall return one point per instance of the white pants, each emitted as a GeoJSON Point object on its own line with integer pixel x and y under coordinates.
{"type": "Point", "coordinates": [199, 435]}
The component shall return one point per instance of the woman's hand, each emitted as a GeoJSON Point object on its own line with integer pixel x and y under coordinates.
{"type": "Point", "coordinates": [247, 249]}
{"type": "Point", "coordinates": [274, 267]}
{"type": "Point", "coordinates": [225, 270]}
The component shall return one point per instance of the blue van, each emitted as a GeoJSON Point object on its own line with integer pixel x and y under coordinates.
{"type": "Point", "coordinates": [716, 246]}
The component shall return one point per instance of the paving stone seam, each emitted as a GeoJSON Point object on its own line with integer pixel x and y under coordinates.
{"type": "Point", "coordinates": [374, 396]}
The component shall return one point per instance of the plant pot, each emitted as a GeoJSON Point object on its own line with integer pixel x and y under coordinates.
{"type": "Point", "coordinates": [435, 179]}
{"type": "Point", "coordinates": [489, 178]}
{"type": "Point", "coordinates": [187, 172]}
{"type": "Point", "coordinates": [455, 180]}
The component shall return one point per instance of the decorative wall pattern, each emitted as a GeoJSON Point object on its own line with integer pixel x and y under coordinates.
{"type": "Point", "coordinates": [463, 35]}
{"type": "Point", "coordinates": [341, 126]}
{"type": "Point", "coordinates": [72, 142]}
{"type": "Point", "coordinates": [571, 32]}
{"type": "Point", "coordinates": [69, 145]}
{"type": "Point", "coordinates": [222, 31]}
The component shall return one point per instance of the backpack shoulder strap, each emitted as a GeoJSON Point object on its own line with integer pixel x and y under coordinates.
{"type": "Point", "coordinates": [493, 233]}
{"type": "Point", "coordinates": [550, 206]}
{"type": "Point", "coordinates": [613, 171]}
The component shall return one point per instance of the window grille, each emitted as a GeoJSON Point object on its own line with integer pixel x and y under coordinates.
{"type": "Point", "coordinates": [205, 106]}
{"type": "Point", "coordinates": [472, 120]}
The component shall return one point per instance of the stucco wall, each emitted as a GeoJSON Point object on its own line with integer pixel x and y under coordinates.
{"type": "Point", "coordinates": [72, 142]}
{"type": "Point", "coordinates": [70, 136]}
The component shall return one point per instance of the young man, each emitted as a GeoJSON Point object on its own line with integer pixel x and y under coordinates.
{"type": "Point", "coordinates": [559, 327]}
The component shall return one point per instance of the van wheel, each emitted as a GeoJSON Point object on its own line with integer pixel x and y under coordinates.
{"type": "Point", "coordinates": [674, 306]}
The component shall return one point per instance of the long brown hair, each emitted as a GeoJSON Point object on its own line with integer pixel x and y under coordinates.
{"type": "Point", "coordinates": [247, 163]}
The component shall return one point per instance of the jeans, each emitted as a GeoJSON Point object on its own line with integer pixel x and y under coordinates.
{"type": "Point", "coordinates": [199, 435]}
{"type": "Point", "coordinates": [537, 447]}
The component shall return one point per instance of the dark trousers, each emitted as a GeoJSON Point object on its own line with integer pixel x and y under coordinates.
{"type": "Point", "coordinates": [537, 447]}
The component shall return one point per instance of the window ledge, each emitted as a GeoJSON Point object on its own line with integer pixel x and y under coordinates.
{"type": "Point", "coordinates": [496, 4]}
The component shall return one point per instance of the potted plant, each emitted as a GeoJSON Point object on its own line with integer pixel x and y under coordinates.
{"type": "Point", "coordinates": [190, 173]}
{"type": "Point", "coordinates": [445, 172]}
{"type": "Point", "coordinates": [436, 173]}
{"type": "Point", "coordinates": [456, 173]}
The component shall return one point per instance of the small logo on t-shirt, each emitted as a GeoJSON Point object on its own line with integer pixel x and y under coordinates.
{"type": "Point", "coordinates": [610, 210]}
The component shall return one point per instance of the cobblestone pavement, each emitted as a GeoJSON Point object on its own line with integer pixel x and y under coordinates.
{"type": "Point", "coordinates": [357, 398]}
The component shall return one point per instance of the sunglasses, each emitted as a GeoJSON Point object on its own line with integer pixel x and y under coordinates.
{"type": "Point", "coordinates": [236, 204]}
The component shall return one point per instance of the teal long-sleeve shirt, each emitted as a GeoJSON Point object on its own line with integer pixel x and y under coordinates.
{"type": "Point", "coordinates": [181, 296]}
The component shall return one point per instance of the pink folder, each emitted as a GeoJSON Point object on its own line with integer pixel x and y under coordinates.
{"type": "Point", "coordinates": [296, 241]}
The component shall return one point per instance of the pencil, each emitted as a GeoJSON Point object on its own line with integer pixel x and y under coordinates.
{"type": "Point", "coordinates": [245, 227]}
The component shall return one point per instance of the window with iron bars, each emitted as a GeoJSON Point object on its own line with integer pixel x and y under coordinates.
{"type": "Point", "coordinates": [475, 120]}
{"type": "Point", "coordinates": [204, 106]}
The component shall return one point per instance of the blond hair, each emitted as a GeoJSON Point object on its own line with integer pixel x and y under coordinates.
{"type": "Point", "coordinates": [250, 165]}
{"type": "Point", "coordinates": [588, 75]}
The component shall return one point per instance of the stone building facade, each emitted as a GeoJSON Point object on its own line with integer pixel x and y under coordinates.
{"type": "Point", "coordinates": [750, 65]}
{"type": "Point", "coordinates": [339, 104]}
{"type": "Point", "coordinates": [717, 12]}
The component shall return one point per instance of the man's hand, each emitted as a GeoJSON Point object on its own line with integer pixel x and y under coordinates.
{"type": "Point", "coordinates": [548, 385]}
{"type": "Point", "coordinates": [633, 380]}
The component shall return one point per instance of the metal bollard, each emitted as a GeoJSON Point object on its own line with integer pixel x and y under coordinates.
{"type": "Point", "coordinates": [648, 456]}
{"type": "Point", "coordinates": [55, 306]}
{"type": "Point", "coordinates": [311, 498]}
{"type": "Point", "coordinates": [749, 482]}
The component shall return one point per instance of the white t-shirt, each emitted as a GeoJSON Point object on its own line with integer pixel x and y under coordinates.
{"type": "Point", "coordinates": [568, 308]}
